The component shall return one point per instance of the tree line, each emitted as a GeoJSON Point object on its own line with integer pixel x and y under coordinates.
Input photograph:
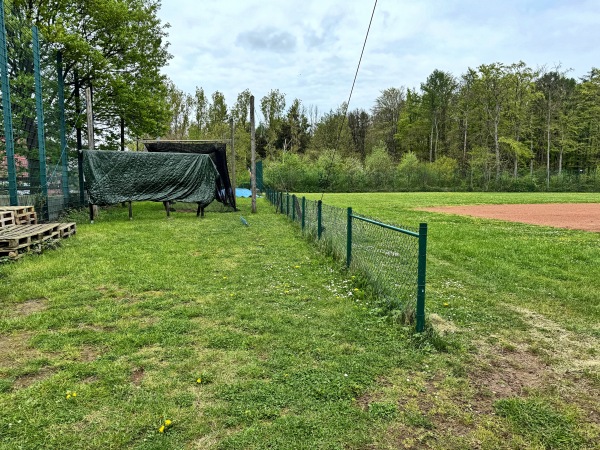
{"type": "Point", "coordinates": [497, 126]}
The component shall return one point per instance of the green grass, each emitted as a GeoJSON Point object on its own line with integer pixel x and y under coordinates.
{"type": "Point", "coordinates": [129, 315]}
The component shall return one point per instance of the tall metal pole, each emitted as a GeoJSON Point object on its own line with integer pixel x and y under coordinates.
{"type": "Point", "coordinates": [7, 114]}
{"type": "Point", "coordinates": [39, 107]}
{"type": "Point", "coordinates": [421, 271]}
{"type": "Point", "coordinates": [90, 126]}
{"type": "Point", "coordinates": [253, 154]}
{"type": "Point", "coordinates": [79, 139]}
{"type": "Point", "coordinates": [64, 157]}
{"type": "Point", "coordinates": [233, 178]}
{"type": "Point", "coordinates": [349, 239]}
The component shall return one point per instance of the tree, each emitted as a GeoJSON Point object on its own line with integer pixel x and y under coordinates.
{"type": "Point", "coordinates": [437, 94]}
{"type": "Point", "coordinates": [412, 128]}
{"type": "Point", "coordinates": [241, 109]}
{"type": "Point", "coordinates": [359, 122]}
{"type": "Point", "coordinates": [386, 113]}
{"type": "Point", "coordinates": [218, 117]}
{"type": "Point", "coordinates": [116, 46]}
{"type": "Point", "coordinates": [201, 104]}
{"type": "Point", "coordinates": [491, 91]}
{"type": "Point", "coordinates": [520, 100]}
{"type": "Point", "coordinates": [293, 131]}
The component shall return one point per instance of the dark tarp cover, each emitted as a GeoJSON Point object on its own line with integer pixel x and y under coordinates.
{"type": "Point", "coordinates": [113, 177]}
{"type": "Point", "coordinates": [218, 153]}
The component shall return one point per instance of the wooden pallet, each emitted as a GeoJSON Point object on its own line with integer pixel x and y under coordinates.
{"type": "Point", "coordinates": [7, 219]}
{"type": "Point", "coordinates": [18, 209]}
{"type": "Point", "coordinates": [23, 215]}
{"type": "Point", "coordinates": [67, 229]}
{"type": "Point", "coordinates": [12, 254]}
{"type": "Point", "coordinates": [23, 236]}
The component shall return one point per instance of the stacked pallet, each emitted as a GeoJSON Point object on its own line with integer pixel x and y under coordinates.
{"type": "Point", "coordinates": [23, 215]}
{"type": "Point", "coordinates": [20, 232]}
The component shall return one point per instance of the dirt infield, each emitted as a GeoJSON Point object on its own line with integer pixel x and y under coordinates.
{"type": "Point", "coordinates": [576, 216]}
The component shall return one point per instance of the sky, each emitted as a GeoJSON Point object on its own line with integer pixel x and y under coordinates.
{"type": "Point", "coordinates": [309, 49]}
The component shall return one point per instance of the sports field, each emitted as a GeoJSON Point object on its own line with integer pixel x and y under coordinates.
{"type": "Point", "coordinates": [247, 338]}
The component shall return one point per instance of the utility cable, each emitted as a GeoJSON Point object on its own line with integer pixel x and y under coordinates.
{"type": "Point", "coordinates": [337, 142]}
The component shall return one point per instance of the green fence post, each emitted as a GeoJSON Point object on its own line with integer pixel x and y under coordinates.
{"type": "Point", "coordinates": [280, 202]}
{"type": "Point", "coordinates": [294, 208]}
{"type": "Point", "coordinates": [64, 157]}
{"type": "Point", "coordinates": [39, 108]}
{"type": "Point", "coordinates": [420, 316]}
{"type": "Point", "coordinates": [287, 204]}
{"type": "Point", "coordinates": [7, 114]}
{"type": "Point", "coordinates": [303, 212]}
{"type": "Point", "coordinates": [319, 219]}
{"type": "Point", "coordinates": [349, 239]}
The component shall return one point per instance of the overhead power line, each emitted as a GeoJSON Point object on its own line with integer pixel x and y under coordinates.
{"type": "Point", "coordinates": [337, 143]}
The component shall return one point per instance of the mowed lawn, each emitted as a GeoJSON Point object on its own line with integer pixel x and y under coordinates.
{"type": "Point", "coordinates": [247, 337]}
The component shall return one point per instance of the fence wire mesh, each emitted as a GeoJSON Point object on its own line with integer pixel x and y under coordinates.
{"type": "Point", "coordinates": [46, 170]}
{"type": "Point", "coordinates": [386, 256]}
{"type": "Point", "coordinates": [388, 259]}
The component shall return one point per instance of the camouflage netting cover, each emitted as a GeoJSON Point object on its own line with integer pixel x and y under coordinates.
{"type": "Point", "coordinates": [217, 152]}
{"type": "Point", "coordinates": [113, 177]}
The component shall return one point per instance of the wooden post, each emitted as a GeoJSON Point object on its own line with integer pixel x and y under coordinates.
{"type": "Point", "coordinates": [233, 179]}
{"type": "Point", "coordinates": [253, 154]}
{"type": "Point", "coordinates": [90, 117]}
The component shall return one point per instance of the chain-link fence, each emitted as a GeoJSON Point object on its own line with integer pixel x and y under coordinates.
{"type": "Point", "coordinates": [392, 259]}
{"type": "Point", "coordinates": [37, 165]}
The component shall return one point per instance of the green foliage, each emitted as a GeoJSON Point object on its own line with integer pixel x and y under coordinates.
{"type": "Point", "coordinates": [379, 168]}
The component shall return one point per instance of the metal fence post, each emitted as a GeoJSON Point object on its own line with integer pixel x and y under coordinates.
{"type": "Point", "coordinates": [7, 114]}
{"type": "Point", "coordinates": [319, 219]}
{"type": "Point", "coordinates": [63, 129]}
{"type": "Point", "coordinates": [287, 204]}
{"type": "Point", "coordinates": [349, 239]}
{"type": "Point", "coordinates": [303, 212]}
{"type": "Point", "coordinates": [39, 107]}
{"type": "Point", "coordinates": [294, 208]}
{"type": "Point", "coordinates": [420, 315]}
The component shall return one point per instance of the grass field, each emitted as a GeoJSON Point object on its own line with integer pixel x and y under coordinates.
{"type": "Point", "coordinates": [248, 338]}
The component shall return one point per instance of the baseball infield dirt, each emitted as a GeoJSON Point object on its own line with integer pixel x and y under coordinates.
{"type": "Point", "coordinates": [576, 216]}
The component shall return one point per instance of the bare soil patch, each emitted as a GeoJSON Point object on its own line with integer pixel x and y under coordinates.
{"type": "Point", "coordinates": [575, 216]}
{"type": "Point", "coordinates": [29, 307]}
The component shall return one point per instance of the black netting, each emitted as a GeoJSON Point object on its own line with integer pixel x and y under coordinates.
{"type": "Point", "coordinates": [217, 152]}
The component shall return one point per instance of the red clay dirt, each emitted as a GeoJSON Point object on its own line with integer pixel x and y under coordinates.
{"type": "Point", "coordinates": [575, 216]}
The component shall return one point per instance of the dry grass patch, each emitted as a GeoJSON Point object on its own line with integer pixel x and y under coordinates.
{"type": "Point", "coordinates": [29, 307]}
{"type": "Point", "coordinates": [25, 381]}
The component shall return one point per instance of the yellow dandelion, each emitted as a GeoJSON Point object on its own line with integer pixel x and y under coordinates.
{"type": "Point", "coordinates": [74, 394]}
{"type": "Point", "coordinates": [68, 396]}
{"type": "Point", "coordinates": [199, 380]}
{"type": "Point", "coordinates": [167, 423]}
{"type": "Point", "coordinates": [356, 289]}
{"type": "Point", "coordinates": [296, 267]}
{"type": "Point", "coordinates": [161, 429]}
{"type": "Point", "coordinates": [446, 304]}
